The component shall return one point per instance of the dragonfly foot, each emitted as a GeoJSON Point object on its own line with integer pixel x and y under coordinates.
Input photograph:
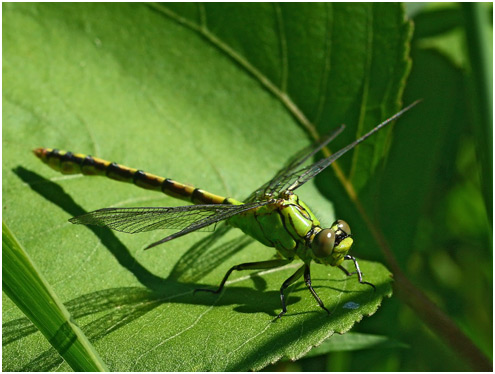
{"type": "Point", "coordinates": [358, 271]}
{"type": "Point", "coordinates": [325, 309]}
{"type": "Point", "coordinates": [279, 315]}
{"type": "Point", "coordinates": [369, 284]}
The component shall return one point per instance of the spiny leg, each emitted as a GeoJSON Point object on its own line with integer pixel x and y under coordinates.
{"type": "Point", "coordinates": [358, 271]}
{"type": "Point", "coordinates": [261, 265]}
{"type": "Point", "coordinates": [307, 279]}
{"type": "Point", "coordinates": [292, 279]}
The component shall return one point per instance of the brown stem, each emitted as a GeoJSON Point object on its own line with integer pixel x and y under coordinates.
{"type": "Point", "coordinates": [423, 306]}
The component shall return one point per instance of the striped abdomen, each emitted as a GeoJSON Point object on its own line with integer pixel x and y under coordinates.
{"type": "Point", "coordinates": [76, 163]}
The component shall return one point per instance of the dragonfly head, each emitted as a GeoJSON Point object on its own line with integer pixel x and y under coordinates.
{"type": "Point", "coordinates": [329, 246]}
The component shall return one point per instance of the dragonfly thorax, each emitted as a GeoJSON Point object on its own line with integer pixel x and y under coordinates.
{"type": "Point", "coordinates": [285, 224]}
{"type": "Point", "coordinates": [295, 231]}
{"type": "Point", "coordinates": [329, 246]}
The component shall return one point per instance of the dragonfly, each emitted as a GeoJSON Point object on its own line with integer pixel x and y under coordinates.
{"type": "Point", "coordinates": [273, 214]}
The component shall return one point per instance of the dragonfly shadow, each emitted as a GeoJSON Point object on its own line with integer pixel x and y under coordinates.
{"type": "Point", "coordinates": [203, 256]}
{"type": "Point", "coordinates": [116, 307]}
{"type": "Point", "coordinates": [56, 195]}
{"type": "Point", "coordinates": [197, 262]}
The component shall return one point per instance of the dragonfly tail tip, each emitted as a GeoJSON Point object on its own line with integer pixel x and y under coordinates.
{"type": "Point", "coordinates": [38, 152]}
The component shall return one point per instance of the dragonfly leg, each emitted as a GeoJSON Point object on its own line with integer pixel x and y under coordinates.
{"type": "Point", "coordinates": [347, 272]}
{"type": "Point", "coordinates": [307, 279]}
{"type": "Point", "coordinates": [358, 271]}
{"type": "Point", "coordinates": [247, 266]}
{"type": "Point", "coordinates": [294, 277]}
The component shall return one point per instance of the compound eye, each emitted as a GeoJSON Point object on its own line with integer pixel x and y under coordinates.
{"type": "Point", "coordinates": [343, 225]}
{"type": "Point", "coordinates": [323, 243]}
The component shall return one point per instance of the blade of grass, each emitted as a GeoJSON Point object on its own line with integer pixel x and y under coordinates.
{"type": "Point", "coordinates": [25, 285]}
{"type": "Point", "coordinates": [481, 82]}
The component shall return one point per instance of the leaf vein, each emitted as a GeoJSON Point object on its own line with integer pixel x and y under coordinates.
{"type": "Point", "coordinates": [245, 64]}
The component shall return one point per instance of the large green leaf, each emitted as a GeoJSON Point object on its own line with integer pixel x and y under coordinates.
{"type": "Point", "coordinates": [214, 95]}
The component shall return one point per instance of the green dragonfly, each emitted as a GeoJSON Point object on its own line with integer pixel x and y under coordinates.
{"type": "Point", "coordinates": [273, 214]}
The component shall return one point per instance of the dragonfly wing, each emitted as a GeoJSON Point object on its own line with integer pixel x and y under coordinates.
{"type": "Point", "coordinates": [184, 218]}
{"type": "Point", "coordinates": [296, 179]}
{"type": "Point", "coordinates": [220, 216]}
{"type": "Point", "coordinates": [292, 164]}
{"type": "Point", "coordinates": [134, 220]}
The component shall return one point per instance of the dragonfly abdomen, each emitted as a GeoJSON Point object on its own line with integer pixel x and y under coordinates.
{"type": "Point", "coordinates": [77, 163]}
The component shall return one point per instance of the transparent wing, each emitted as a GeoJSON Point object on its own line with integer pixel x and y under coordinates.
{"type": "Point", "coordinates": [183, 218]}
{"type": "Point", "coordinates": [134, 220]}
{"type": "Point", "coordinates": [294, 179]}
{"type": "Point", "coordinates": [298, 178]}
{"type": "Point", "coordinates": [272, 186]}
